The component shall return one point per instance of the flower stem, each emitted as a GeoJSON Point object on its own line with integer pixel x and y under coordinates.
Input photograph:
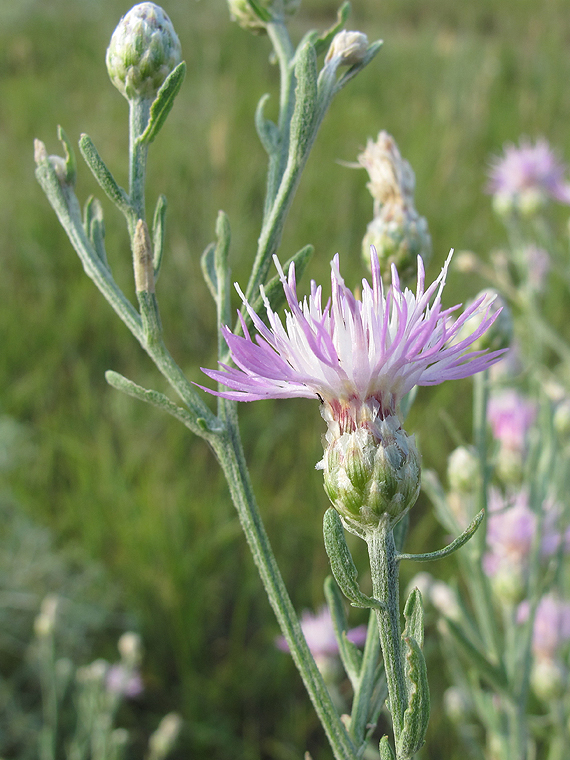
{"type": "Point", "coordinates": [139, 113]}
{"type": "Point", "coordinates": [384, 570]}
{"type": "Point", "coordinates": [229, 451]}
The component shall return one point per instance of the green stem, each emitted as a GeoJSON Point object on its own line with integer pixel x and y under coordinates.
{"type": "Point", "coordinates": [279, 36]}
{"type": "Point", "coordinates": [139, 113]}
{"type": "Point", "coordinates": [384, 570]}
{"type": "Point", "coordinates": [230, 455]}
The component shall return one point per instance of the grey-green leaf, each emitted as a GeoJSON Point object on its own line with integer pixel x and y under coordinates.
{"type": "Point", "coordinates": [386, 751]}
{"type": "Point", "coordinates": [208, 262]}
{"type": "Point", "coordinates": [266, 129]}
{"type": "Point", "coordinates": [414, 616]}
{"type": "Point", "coordinates": [350, 655]}
{"type": "Point", "coordinates": [416, 716]}
{"type": "Point", "coordinates": [95, 227]}
{"type": "Point", "coordinates": [342, 564]}
{"type": "Point", "coordinates": [163, 102]}
{"type": "Point", "coordinates": [103, 176]}
{"type": "Point", "coordinates": [304, 118]}
{"type": "Point", "coordinates": [158, 234]}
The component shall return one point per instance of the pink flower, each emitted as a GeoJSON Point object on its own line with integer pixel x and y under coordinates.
{"type": "Point", "coordinates": [351, 352]}
{"type": "Point", "coordinates": [124, 681]}
{"type": "Point", "coordinates": [510, 415]}
{"type": "Point", "coordinates": [511, 529]}
{"type": "Point", "coordinates": [528, 169]}
{"type": "Point", "coordinates": [551, 625]}
{"type": "Point", "coordinates": [319, 632]}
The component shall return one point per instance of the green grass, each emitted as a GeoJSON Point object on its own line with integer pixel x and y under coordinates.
{"type": "Point", "coordinates": [453, 82]}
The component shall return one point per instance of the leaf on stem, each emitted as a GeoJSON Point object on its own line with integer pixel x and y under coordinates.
{"type": "Point", "coordinates": [95, 227]}
{"type": "Point", "coordinates": [357, 68]}
{"type": "Point", "coordinates": [70, 162]}
{"type": "Point", "coordinates": [323, 42]}
{"type": "Point", "coordinates": [386, 751]}
{"type": "Point", "coordinates": [452, 547]}
{"type": "Point", "coordinates": [414, 616]}
{"type": "Point", "coordinates": [416, 716]}
{"type": "Point", "coordinates": [158, 232]}
{"type": "Point", "coordinates": [103, 176]}
{"type": "Point", "coordinates": [266, 129]}
{"type": "Point", "coordinates": [304, 119]}
{"type": "Point", "coordinates": [342, 564]}
{"type": "Point", "coordinates": [208, 262]}
{"type": "Point", "coordinates": [196, 425]}
{"type": "Point", "coordinates": [163, 102]}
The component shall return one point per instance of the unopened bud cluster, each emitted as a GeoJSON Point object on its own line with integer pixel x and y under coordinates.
{"type": "Point", "coordinates": [243, 13]}
{"type": "Point", "coordinates": [144, 49]}
{"type": "Point", "coordinates": [397, 231]}
{"type": "Point", "coordinates": [371, 469]}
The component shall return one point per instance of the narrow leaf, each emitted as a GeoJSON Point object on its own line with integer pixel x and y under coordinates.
{"type": "Point", "coordinates": [158, 233]}
{"type": "Point", "coordinates": [342, 564]}
{"type": "Point", "coordinates": [266, 129]}
{"type": "Point", "coordinates": [416, 716]}
{"type": "Point", "coordinates": [357, 68]}
{"type": "Point", "coordinates": [95, 227]}
{"type": "Point", "coordinates": [304, 119]}
{"type": "Point", "coordinates": [163, 102]}
{"type": "Point", "coordinates": [103, 176]}
{"type": "Point", "coordinates": [452, 547]}
{"type": "Point", "coordinates": [209, 270]}
{"type": "Point", "coordinates": [159, 400]}
{"type": "Point", "coordinates": [70, 162]}
{"type": "Point", "coordinates": [386, 751]}
{"type": "Point", "coordinates": [414, 616]}
{"type": "Point", "coordinates": [323, 42]}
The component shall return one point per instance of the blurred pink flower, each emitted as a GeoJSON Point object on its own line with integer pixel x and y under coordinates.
{"type": "Point", "coordinates": [529, 168]}
{"type": "Point", "coordinates": [319, 632]}
{"type": "Point", "coordinates": [124, 681]}
{"type": "Point", "coordinates": [551, 625]}
{"type": "Point", "coordinates": [510, 415]}
{"type": "Point", "coordinates": [511, 528]}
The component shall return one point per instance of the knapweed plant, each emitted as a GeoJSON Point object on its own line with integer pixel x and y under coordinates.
{"type": "Point", "coordinates": [359, 357]}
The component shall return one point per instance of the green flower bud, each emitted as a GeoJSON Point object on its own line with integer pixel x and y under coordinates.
{"type": "Point", "coordinates": [462, 469]}
{"type": "Point", "coordinates": [144, 49]}
{"type": "Point", "coordinates": [549, 679]}
{"type": "Point", "coordinates": [372, 473]}
{"type": "Point", "coordinates": [399, 235]}
{"type": "Point", "coordinates": [243, 13]}
{"type": "Point", "coordinates": [397, 231]}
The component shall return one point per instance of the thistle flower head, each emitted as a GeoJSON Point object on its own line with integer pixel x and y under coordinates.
{"type": "Point", "coordinates": [525, 176]}
{"type": "Point", "coordinates": [360, 358]}
{"type": "Point", "coordinates": [144, 49]}
{"type": "Point", "coordinates": [348, 351]}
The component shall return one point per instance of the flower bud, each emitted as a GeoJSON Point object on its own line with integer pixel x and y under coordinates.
{"type": "Point", "coordinates": [399, 235]}
{"type": "Point", "coordinates": [144, 49]}
{"type": "Point", "coordinates": [397, 231]}
{"type": "Point", "coordinates": [130, 648]}
{"type": "Point", "coordinates": [462, 469]}
{"type": "Point", "coordinates": [276, 10]}
{"type": "Point", "coordinates": [549, 679]}
{"type": "Point", "coordinates": [372, 473]}
{"type": "Point", "coordinates": [348, 48]}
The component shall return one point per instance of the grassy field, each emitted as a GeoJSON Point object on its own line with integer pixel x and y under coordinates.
{"type": "Point", "coordinates": [453, 82]}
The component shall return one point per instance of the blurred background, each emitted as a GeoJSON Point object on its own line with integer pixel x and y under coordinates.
{"type": "Point", "coordinates": [116, 507]}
